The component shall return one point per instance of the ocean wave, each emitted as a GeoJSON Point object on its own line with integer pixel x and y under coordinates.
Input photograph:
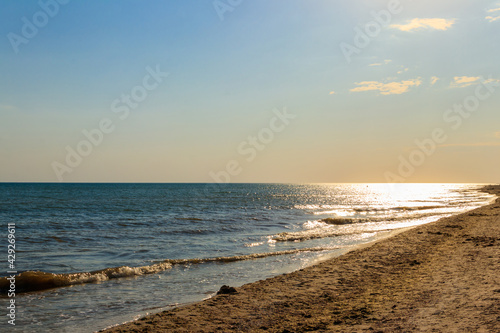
{"type": "Point", "coordinates": [247, 256]}
{"type": "Point", "coordinates": [38, 280]}
{"type": "Point", "coordinates": [344, 227]}
{"type": "Point", "coordinates": [314, 234]}
{"type": "Point", "coordinates": [342, 221]}
{"type": "Point", "coordinates": [404, 208]}
{"type": "Point", "coordinates": [189, 232]}
{"type": "Point", "coordinates": [316, 206]}
{"type": "Point", "coordinates": [363, 210]}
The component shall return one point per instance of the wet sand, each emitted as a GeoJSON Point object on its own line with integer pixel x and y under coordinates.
{"type": "Point", "coordinates": [439, 277]}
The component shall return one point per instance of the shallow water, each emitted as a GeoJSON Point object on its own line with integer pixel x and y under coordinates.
{"type": "Point", "coordinates": [106, 253]}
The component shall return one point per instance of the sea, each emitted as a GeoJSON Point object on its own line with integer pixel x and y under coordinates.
{"type": "Point", "coordinates": [89, 256]}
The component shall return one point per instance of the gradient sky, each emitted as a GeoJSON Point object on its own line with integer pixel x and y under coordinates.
{"type": "Point", "coordinates": [232, 66]}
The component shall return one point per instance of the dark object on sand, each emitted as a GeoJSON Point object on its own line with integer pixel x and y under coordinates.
{"type": "Point", "coordinates": [226, 290]}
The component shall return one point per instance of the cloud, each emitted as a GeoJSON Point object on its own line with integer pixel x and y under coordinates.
{"type": "Point", "coordinates": [464, 81]}
{"type": "Point", "coordinates": [491, 80]}
{"type": "Point", "coordinates": [381, 63]}
{"type": "Point", "coordinates": [390, 88]}
{"type": "Point", "coordinates": [332, 93]}
{"type": "Point", "coordinates": [434, 79]}
{"type": "Point", "coordinates": [495, 16]}
{"type": "Point", "coordinates": [422, 23]}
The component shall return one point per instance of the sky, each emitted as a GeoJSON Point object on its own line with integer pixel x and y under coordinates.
{"type": "Point", "coordinates": [285, 91]}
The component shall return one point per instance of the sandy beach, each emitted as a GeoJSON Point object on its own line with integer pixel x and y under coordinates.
{"type": "Point", "coordinates": [439, 277]}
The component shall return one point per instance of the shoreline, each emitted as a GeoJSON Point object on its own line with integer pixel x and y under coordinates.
{"type": "Point", "coordinates": [440, 276]}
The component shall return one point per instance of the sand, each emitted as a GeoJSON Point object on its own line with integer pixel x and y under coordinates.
{"type": "Point", "coordinates": [439, 277]}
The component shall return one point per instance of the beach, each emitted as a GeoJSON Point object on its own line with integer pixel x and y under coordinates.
{"type": "Point", "coordinates": [437, 277]}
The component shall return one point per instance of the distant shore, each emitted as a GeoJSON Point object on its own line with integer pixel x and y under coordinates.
{"type": "Point", "coordinates": [440, 277]}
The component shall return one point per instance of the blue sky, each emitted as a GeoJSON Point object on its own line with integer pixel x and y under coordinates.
{"type": "Point", "coordinates": [233, 66]}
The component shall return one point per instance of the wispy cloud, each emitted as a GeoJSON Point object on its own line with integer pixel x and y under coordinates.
{"type": "Point", "coordinates": [403, 70]}
{"type": "Point", "coordinates": [332, 93]}
{"type": "Point", "coordinates": [434, 79]}
{"type": "Point", "coordinates": [381, 63]}
{"type": "Point", "coordinates": [425, 23]}
{"type": "Point", "coordinates": [495, 14]}
{"type": "Point", "coordinates": [390, 88]}
{"type": "Point", "coordinates": [464, 81]}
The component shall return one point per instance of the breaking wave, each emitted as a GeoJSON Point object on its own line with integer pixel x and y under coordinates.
{"type": "Point", "coordinates": [335, 227]}
{"type": "Point", "coordinates": [343, 211]}
{"type": "Point", "coordinates": [246, 256]}
{"type": "Point", "coordinates": [37, 280]}
{"type": "Point", "coordinates": [315, 234]}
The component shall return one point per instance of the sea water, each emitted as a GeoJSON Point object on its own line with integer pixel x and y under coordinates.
{"type": "Point", "coordinates": [89, 256]}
